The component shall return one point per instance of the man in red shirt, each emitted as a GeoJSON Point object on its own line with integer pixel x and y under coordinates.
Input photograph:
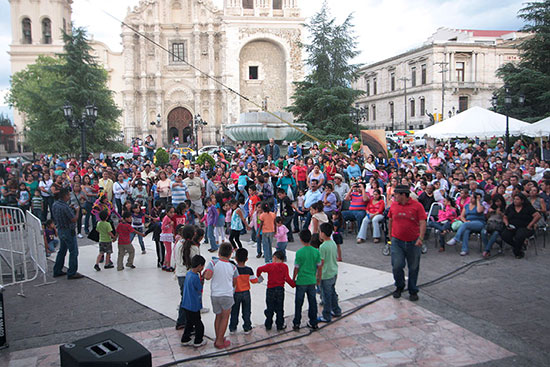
{"type": "Point", "coordinates": [407, 225]}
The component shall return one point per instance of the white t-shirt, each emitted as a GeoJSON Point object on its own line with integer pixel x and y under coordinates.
{"type": "Point", "coordinates": [221, 284]}
{"type": "Point", "coordinates": [46, 185]}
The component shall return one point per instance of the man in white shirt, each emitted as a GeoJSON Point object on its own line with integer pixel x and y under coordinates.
{"type": "Point", "coordinates": [195, 188]}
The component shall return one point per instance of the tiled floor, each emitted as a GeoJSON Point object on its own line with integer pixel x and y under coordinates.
{"type": "Point", "coordinates": [387, 333]}
{"type": "Point", "coordinates": [160, 291]}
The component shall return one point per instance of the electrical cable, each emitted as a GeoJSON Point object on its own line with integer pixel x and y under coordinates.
{"type": "Point", "coordinates": [177, 57]}
{"type": "Point", "coordinates": [249, 346]}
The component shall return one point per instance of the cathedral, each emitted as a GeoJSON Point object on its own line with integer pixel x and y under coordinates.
{"type": "Point", "coordinates": [250, 46]}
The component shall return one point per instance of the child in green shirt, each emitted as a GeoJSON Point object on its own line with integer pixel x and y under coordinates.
{"type": "Point", "coordinates": [307, 274]}
{"type": "Point", "coordinates": [329, 255]}
{"type": "Point", "coordinates": [106, 237]}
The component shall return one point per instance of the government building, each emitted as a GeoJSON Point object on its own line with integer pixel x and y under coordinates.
{"type": "Point", "coordinates": [251, 46]}
{"type": "Point", "coordinates": [454, 70]}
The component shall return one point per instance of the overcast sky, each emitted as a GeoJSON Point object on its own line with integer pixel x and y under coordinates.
{"type": "Point", "coordinates": [384, 27]}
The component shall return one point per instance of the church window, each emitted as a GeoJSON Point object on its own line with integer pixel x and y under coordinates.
{"type": "Point", "coordinates": [278, 4]}
{"type": "Point", "coordinates": [27, 34]}
{"type": "Point", "coordinates": [253, 73]}
{"type": "Point", "coordinates": [64, 25]}
{"type": "Point", "coordinates": [248, 4]}
{"type": "Point", "coordinates": [178, 52]}
{"type": "Point", "coordinates": [46, 31]}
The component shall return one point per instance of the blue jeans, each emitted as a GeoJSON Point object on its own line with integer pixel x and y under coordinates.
{"type": "Point", "coordinates": [267, 241]}
{"type": "Point", "coordinates": [330, 298]}
{"type": "Point", "coordinates": [211, 237]}
{"type": "Point", "coordinates": [281, 246]}
{"type": "Point", "coordinates": [258, 243]}
{"type": "Point", "coordinates": [274, 301]}
{"type": "Point", "coordinates": [440, 227]}
{"type": "Point", "coordinates": [376, 220]}
{"type": "Point", "coordinates": [301, 291]}
{"type": "Point", "coordinates": [402, 251]}
{"type": "Point", "coordinates": [52, 244]}
{"type": "Point", "coordinates": [463, 234]}
{"type": "Point", "coordinates": [140, 239]}
{"type": "Point", "coordinates": [241, 298]}
{"type": "Point", "coordinates": [67, 239]}
{"type": "Point", "coordinates": [241, 190]}
{"type": "Point", "coordinates": [488, 242]}
{"type": "Point", "coordinates": [354, 215]}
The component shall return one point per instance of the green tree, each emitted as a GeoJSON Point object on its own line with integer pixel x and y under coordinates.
{"type": "Point", "coordinates": [531, 77]}
{"type": "Point", "coordinates": [4, 120]}
{"type": "Point", "coordinates": [324, 98]}
{"type": "Point", "coordinates": [41, 90]}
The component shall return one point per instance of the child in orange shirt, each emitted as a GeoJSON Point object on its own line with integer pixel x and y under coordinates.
{"type": "Point", "coordinates": [267, 229]}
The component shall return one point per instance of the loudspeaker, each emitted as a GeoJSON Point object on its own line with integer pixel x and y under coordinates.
{"type": "Point", "coordinates": [109, 348]}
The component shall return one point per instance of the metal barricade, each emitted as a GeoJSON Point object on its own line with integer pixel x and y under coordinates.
{"type": "Point", "coordinates": [22, 249]}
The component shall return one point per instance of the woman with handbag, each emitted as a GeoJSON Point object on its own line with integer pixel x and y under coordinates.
{"type": "Point", "coordinates": [473, 219]}
{"type": "Point", "coordinates": [495, 224]}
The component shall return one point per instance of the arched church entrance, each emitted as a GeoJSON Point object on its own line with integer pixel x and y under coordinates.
{"type": "Point", "coordinates": [179, 124]}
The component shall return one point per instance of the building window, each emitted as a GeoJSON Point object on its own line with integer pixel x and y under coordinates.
{"type": "Point", "coordinates": [460, 71]}
{"type": "Point", "coordinates": [423, 74]}
{"type": "Point", "coordinates": [413, 105]}
{"type": "Point", "coordinates": [253, 73]}
{"type": "Point", "coordinates": [277, 4]}
{"type": "Point", "coordinates": [46, 31]}
{"type": "Point", "coordinates": [374, 86]}
{"type": "Point", "coordinates": [462, 104]}
{"type": "Point", "coordinates": [422, 107]}
{"type": "Point", "coordinates": [248, 4]}
{"type": "Point", "coordinates": [368, 88]}
{"type": "Point", "coordinates": [373, 112]}
{"type": "Point", "coordinates": [178, 52]}
{"type": "Point", "coordinates": [27, 31]}
{"type": "Point", "coordinates": [392, 82]}
{"type": "Point", "coordinates": [391, 110]}
{"type": "Point", "coordinates": [413, 76]}
{"type": "Point", "coordinates": [366, 113]}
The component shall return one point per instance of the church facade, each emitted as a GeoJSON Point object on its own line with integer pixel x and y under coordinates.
{"type": "Point", "coordinates": [249, 46]}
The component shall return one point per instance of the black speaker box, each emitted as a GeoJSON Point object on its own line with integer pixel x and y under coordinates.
{"type": "Point", "coordinates": [109, 348]}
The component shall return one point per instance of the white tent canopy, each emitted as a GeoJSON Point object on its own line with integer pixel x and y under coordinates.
{"type": "Point", "coordinates": [539, 128]}
{"type": "Point", "coordinates": [473, 122]}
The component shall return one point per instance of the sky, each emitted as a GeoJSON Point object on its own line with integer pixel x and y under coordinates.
{"type": "Point", "coordinates": [384, 28]}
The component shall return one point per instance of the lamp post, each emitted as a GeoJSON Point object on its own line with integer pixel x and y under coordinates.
{"type": "Point", "coordinates": [392, 114]}
{"type": "Point", "coordinates": [157, 124]}
{"type": "Point", "coordinates": [357, 115]}
{"type": "Point", "coordinates": [87, 120]}
{"type": "Point", "coordinates": [198, 123]}
{"type": "Point", "coordinates": [508, 103]}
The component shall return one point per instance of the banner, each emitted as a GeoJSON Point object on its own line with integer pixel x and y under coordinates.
{"type": "Point", "coordinates": [374, 142]}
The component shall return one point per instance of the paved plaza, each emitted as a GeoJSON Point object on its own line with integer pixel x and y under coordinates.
{"type": "Point", "coordinates": [493, 313]}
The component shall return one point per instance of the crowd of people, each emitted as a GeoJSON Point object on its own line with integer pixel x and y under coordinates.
{"type": "Point", "coordinates": [461, 187]}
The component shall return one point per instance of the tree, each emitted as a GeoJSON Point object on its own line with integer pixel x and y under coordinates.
{"type": "Point", "coordinates": [41, 90]}
{"type": "Point", "coordinates": [531, 77]}
{"type": "Point", "coordinates": [324, 98]}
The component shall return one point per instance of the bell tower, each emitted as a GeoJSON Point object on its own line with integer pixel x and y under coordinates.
{"type": "Point", "coordinates": [36, 29]}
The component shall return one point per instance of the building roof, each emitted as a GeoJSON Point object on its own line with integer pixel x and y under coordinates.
{"type": "Point", "coordinates": [486, 33]}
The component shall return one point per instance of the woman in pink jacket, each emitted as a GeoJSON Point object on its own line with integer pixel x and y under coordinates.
{"type": "Point", "coordinates": [445, 217]}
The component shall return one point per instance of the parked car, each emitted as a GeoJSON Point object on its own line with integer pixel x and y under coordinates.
{"type": "Point", "coordinates": [227, 150]}
{"type": "Point", "coordinates": [130, 153]}
{"type": "Point", "coordinates": [184, 152]}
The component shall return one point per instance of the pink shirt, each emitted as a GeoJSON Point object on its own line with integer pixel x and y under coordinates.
{"type": "Point", "coordinates": [280, 235]}
{"type": "Point", "coordinates": [167, 225]}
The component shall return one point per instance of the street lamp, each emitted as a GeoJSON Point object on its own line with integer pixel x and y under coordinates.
{"type": "Point", "coordinates": [87, 120]}
{"type": "Point", "coordinates": [494, 102]}
{"type": "Point", "coordinates": [198, 123]}
{"type": "Point", "coordinates": [357, 115]}
{"type": "Point", "coordinates": [508, 103]}
{"type": "Point", "coordinates": [392, 114]}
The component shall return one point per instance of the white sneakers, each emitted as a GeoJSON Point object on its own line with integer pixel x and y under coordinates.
{"type": "Point", "coordinates": [451, 242]}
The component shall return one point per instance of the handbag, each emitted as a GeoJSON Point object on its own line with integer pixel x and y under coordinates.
{"type": "Point", "coordinates": [289, 192]}
{"type": "Point", "coordinates": [94, 235]}
{"type": "Point", "coordinates": [495, 226]}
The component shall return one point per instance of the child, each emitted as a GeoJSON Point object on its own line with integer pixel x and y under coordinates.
{"type": "Point", "coordinates": [328, 251]}
{"type": "Point", "coordinates": [281, 236]}
{"type": "Point", "coordinates": [138, 223]}
{"type": "Point", "coordinates": [337, 221]}
{"type": "Point", "coordinates": [275, 294]}
{"type": "Point", "coordinates": [192, 303]}
{"type": "Point", "coordinates": [300, 201]}
{"type": "Point", "coordinates": [24, 199]}
{"type": "Point", "coordinates": [242, 293]}
{"type": "Point", "coordinates": [256, 223]}
{"type": "Point", "coordinates": [37, 204]}
{"type": "Point", "coordinates": [124, 230]}
{"type": "Point", "coordinates": [106, 237]}
{"type": "Point", "coordinates": [219, 231]}
{"type": "Point", "coordinates": [267, 227]}
{"type": "Point", "coordinates": [224, 279]}
{"type": "Point", "coordinates": [307, 273]}
{"type": "Point", "coordinates": [167, 237]}
{"type": "Point", "coordinates": [211, 220]}
{"type": "Point", "coordinates": [50, 232]}
{"type": "Point", "coordinates": [237, 224]}
{"type": "Point", "coordinates": [183, 253]}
